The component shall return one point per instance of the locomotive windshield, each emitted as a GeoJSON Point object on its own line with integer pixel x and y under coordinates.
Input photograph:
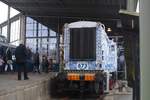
{"type": "Point", "coordinates": [83, 44]}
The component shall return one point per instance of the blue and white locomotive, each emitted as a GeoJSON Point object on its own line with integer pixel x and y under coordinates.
{"type": "Point", "coordinates": [88, 55]}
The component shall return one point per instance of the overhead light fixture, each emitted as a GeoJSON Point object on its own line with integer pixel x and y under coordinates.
{"type": "Point", "coordinates": [109, 29]}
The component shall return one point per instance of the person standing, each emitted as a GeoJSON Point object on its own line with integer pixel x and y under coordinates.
{"type": "Point", "coordinates": [29, 53]}
{"type": "Point", "coordinates": [1, 64]}
{"type": "Point", "coordinates": [29, 62]}
{"type": "Point", "coordinates": [8, 59]}
{"type": "Point", "coordinates": [45, 63]}
{"type": "Point", "coordinates": [2, 52]}
{"type": "Point", "coordinates": [50, 65]}
{"type": "Point", "coordinates": [36, 62]}
{"type": "Point", "coordinates": [21, 57]}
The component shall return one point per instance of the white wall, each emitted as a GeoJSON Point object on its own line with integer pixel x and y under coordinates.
{"type": "Point", "coordinates": [145, 48]}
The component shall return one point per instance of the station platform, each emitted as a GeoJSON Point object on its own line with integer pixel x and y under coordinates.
{"type": "Point", "coordinates": [36, 88]}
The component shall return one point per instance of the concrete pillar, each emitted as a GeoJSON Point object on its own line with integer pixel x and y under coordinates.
{"type": "Point", "coordinates": [145, 48]}
{"type": "Point", "coordinates": [22, 28]}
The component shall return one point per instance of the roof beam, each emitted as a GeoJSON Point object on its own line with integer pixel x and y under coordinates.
{"type": "Point", "coordinates": [53, 4]}
{"type": "Point", "coordinates": [70, 14]}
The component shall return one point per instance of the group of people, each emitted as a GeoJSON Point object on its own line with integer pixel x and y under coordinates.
{"type": "Point", "coordinates": [6, 60]}
{"type": "Point", "coordinates": [34, 60]}
{"type": "Point", "coordinates": [37, 63]}
{"type": "Point", "coordinates": [24, 57]}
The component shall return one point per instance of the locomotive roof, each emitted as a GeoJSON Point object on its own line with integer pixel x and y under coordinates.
{"type": "Point", "coordinates": [81, 24]}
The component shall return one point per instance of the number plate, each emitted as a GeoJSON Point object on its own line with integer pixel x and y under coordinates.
{"type": "Point", "coordinates": [82, 66]}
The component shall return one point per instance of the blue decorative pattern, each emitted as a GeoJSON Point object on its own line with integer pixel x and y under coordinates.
{"type": "Point", "coordinates": [98, 43]}
{"type": "Point", "coordinates": [66, 44]}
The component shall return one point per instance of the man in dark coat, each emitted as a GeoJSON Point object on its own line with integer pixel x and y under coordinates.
{"type": "Point", "coordinates": [21, 56]}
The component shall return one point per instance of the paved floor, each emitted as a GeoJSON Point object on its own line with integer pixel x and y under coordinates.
{"type": "Point", "coordinates": [9, 81]}
{"type": "Point", "coordinates": [118, 97]}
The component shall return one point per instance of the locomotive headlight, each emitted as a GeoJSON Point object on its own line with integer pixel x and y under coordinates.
{"type": "Point", "coordinates": [109, 29]}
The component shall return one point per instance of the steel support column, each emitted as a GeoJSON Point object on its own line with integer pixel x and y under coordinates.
{"type": "Point", "coordinates": [8, 24]}
{"type": "Point", "coordinates": [58, 42]}
{"type": "Point", "coordinates": [22, 28]}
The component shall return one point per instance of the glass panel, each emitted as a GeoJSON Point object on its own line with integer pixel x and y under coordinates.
{"type": "Point", "coordinates": [52, 40]}
{"type": "Point", "coordinates": [52, 33]}
{"type": "Point", "coordinates": [44, 27]}
{"type": "Point", "coordinates": [13, 12]}
{"type": "Point", "coordinates": [42, 45]}
{"type": "Point", "coordinates": [39, 33]}
{"type": "Point", "coordinates": [44, 41]}
{"type": "Point", "coordinates": [3, 11]}
{"type": "Point", "coordinates": [40, 26]}
{"type": "Point", "coordinates": [29, 26]}
{"type": "Point", "coordinates": [44, 32]}
{"type": "Point", "coordinates": [30, 33]}
{"type": "Point", "coordinates": [4, 31]}
{"type": "Point", "coordinates": [45, 46]}
{"type": "Point", "coordinates": [31, 43]}
{"type": "Point", "coordinates": [44, 49]}
{"type": "Point", "coordinates": [35, 26]}
{"type": "Point", "coordinates": [52, 47]}
{"type": "Point", "coordinates": [29, 20]}
{"type": "Point", "coordinates": [15, 31]}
